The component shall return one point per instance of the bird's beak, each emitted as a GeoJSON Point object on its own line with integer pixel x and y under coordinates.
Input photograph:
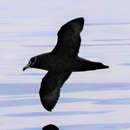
{"type": "Point", "coordinates": [26, 67]}
{"type": "Point", "coordinates": [105, 66]}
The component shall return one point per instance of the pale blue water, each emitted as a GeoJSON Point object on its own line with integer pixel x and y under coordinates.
{"type": "Point", "coordinates": [98, 100]}
{"type": "Point", "coordinates": [92, 127]}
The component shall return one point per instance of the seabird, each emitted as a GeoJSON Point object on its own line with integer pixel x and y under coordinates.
{"type": "Point", "coordinates": [61, 62]}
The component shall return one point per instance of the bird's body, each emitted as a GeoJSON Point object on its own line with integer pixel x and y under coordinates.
{"type": "Point", "coordinates": [61, 62]}
{"type": "Point", "coordinates": [54, 62]}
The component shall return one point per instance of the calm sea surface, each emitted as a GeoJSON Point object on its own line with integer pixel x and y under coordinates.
{"type": "Point", "coordinates": [94, 100]}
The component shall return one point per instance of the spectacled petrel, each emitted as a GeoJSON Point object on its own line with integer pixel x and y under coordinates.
{"type": "Point", "coordinates": [61, 62]}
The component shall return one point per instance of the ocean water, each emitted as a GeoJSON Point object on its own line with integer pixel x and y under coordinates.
{"type": "Point", "coordinates": [94, 100]}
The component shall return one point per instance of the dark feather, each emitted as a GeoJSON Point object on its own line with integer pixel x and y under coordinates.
{"type": "Point", "coordinates": [50, 88]}
{"type": "Point", "coordinates": [68, 43]}
{"type": "Point", "coordinates": [81, 64]}
{"type": "Point", "coordinates": [61, 61]}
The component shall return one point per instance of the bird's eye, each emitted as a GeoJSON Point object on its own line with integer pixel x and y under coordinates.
{"type": "Point", "coordinates": [33, 61]}
{"type": "Point", "coordinates": [30, 62]}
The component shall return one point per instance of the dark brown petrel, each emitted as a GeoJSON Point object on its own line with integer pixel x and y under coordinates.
{"type": "Point", "coordinates": [61, 62]}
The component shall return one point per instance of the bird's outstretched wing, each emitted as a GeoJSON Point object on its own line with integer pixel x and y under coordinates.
{"type": "Point", "coordinates": [81, 64]}
{"type": "Point", "coordinates": [50, 88]}
{"type": "Point", "coordinates": [68, 42]}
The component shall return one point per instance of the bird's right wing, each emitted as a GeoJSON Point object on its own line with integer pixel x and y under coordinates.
{"type": "Point", "coordinates": [50, 88]}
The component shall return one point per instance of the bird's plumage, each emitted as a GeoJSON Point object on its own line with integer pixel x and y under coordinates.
{"type": "Point", "coordinates": [81, 64]}
{"type": "Point", "coordinates": [50, 88]}
{"type": "Point", "coordinates": [69, 40]}
{"type": "Point", "coordinates": [61, 62]}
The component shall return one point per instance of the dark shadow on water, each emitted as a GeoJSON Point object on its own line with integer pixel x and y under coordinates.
{"type": "Point", "coordinates": [50, 127]}
{"type": "Point", "coordinates": [47, 127]}
{"type": "Point", "coordinates": [117, 126]}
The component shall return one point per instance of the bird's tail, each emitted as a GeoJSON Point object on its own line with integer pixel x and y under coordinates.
{"type": "Point", "coordinates": [85, 65]}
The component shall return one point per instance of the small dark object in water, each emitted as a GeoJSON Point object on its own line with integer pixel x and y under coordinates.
{"type": "Point", "coordinates": [50, 127]}
{"type": "Point", "coordinates": [61, 62]}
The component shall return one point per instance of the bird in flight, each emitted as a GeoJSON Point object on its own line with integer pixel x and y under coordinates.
{"type": "Point", "coordinates": [61, 62]}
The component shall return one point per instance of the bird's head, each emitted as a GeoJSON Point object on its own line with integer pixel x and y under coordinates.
{"type": "Point", "coordinates": [31, 64]}
{"type": "Point", "coordinates": [73, 27]}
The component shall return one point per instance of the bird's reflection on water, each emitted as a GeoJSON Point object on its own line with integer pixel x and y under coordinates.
{"type": "Point", "coordinates": [50, 127]}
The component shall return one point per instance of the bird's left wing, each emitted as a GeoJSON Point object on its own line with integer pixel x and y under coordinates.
{"type": "Point", "coordinates": [50, 88]}
{"type": "Point", "coordinates": [68, 42]}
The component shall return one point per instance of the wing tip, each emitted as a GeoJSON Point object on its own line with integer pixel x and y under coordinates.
{"type": "Point", "coordinates": [48, 105]}
{"type": "Point", "coordinates": [49, 109]}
